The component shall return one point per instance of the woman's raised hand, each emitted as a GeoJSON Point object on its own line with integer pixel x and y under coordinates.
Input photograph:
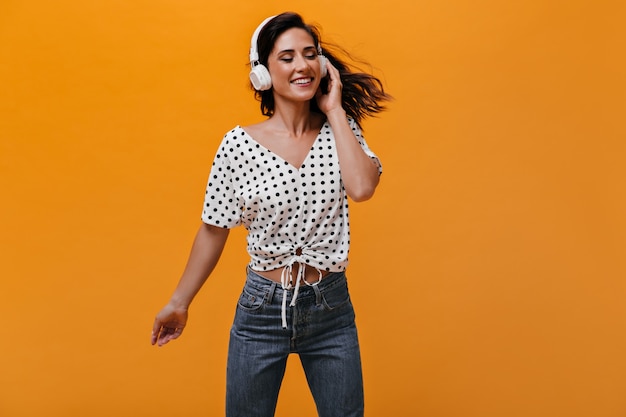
{"type": "Point", "coordinates": [330, 101]}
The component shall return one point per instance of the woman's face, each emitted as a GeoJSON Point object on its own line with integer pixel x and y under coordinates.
{"type": "Point", "coordinates": [294, 66]}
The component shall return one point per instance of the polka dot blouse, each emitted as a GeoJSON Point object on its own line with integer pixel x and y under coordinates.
{"type": "Point", "coordinates": [289, 212]}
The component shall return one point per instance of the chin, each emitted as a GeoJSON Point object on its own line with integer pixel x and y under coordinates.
{"type": "Point", "coordinates": [303, 97]}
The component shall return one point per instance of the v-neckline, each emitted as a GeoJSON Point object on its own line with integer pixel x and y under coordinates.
{"type": "Point", "coordinates": [306, 157]}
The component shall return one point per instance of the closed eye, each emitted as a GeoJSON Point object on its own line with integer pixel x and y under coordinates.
{"type": "Point", "coordinates": [290, 59]}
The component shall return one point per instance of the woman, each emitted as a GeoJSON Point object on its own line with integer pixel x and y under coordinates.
{"type": "Point", "coordinates": [281, 179]}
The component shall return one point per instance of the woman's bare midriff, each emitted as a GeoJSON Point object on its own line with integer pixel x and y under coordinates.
{"type": "Point", "coordinates": [311, 275]}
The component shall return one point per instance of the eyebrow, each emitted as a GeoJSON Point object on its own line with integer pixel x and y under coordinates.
{"type": "Point", "coordinates": [293, 50]}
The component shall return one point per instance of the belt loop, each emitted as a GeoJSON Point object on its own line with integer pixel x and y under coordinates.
{"type": "Point", "coordinates": [318, 295]}
{"type": "Point", "coordinates": [270, 294]}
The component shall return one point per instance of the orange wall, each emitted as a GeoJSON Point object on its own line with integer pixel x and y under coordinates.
{"type": "Point", "coordinates": [489, 272]}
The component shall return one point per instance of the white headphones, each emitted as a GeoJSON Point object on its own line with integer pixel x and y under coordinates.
{"type": "Point", "coordinates": [259, 74]}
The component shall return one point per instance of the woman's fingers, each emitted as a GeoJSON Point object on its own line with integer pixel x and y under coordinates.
{"type": "Point", "coordinates": [333, 72]}
{"type": "Point", "coordinates": [164, 334]}
{"type": "Point", "coordinates": [156, 329]}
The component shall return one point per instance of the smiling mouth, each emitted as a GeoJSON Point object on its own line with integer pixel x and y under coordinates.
{"type": "Point", "coordinates": [302, 81]}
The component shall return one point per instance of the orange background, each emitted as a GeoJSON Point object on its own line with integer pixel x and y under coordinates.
{"type": "Point", "coordinates": [488, 273]}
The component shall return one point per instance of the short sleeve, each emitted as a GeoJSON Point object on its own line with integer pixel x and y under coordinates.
{"type": "Point", "coordinates": [359, 135]}
{"type": "Point", "coordinates": [221, 205]}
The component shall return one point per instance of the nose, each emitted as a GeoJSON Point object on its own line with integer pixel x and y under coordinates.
{"type": "Point", "coordinates": [300, 63]}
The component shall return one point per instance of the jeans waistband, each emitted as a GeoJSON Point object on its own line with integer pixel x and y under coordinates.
{"type": "Point", "coordinates": [258, 281]}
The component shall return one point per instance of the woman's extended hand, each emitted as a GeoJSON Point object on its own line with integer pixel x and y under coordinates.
{"type": "Point", "coordinates": [168, 324]}
{"type": "Point", "coordinates": [330, 101]}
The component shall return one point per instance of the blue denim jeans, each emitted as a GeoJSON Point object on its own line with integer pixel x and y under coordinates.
{"type": "Point", "coordinates": [320, 329]}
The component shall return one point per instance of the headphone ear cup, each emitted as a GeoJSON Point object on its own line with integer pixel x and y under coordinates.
{"type": "Point", "coordinates": [260, 78]}
{"type": "Point", "coordinates": [323, 67]}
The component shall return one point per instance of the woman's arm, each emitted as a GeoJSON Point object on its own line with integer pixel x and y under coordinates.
{"type": "Point", "coordinates": [205, 252]}
{"type": "Point", "coordinates": [359, 172]}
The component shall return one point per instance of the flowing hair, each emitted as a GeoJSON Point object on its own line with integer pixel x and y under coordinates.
{"type": "Point", "coordinates": [362, 94]}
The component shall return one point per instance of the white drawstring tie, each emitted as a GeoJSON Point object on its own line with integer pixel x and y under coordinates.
{"type": "Point", "coordinates": [286, 283]}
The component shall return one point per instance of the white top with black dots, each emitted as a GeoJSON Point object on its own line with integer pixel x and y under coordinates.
{"type": "Point", "coordinates": [291, 214]}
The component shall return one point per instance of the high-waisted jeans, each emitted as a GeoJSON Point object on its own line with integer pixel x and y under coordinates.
{"type": "Point", "coordinates": [320, 329]}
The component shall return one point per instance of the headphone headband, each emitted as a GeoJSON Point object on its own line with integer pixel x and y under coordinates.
{"type": "Point", "coordinates": [254, 47]}
{"type": "Point", "coordinates": [254, 52]}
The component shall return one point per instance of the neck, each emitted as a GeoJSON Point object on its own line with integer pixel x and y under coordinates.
{"type": "Point", "coordinates": [296, 118]}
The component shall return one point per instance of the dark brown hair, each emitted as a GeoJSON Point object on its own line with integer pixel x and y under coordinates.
{"type": "Point", "coordinates": [362, 93]}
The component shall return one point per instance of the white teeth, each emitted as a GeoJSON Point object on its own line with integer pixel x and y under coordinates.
{"type": "Point", "coordinates": [302, 81]}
